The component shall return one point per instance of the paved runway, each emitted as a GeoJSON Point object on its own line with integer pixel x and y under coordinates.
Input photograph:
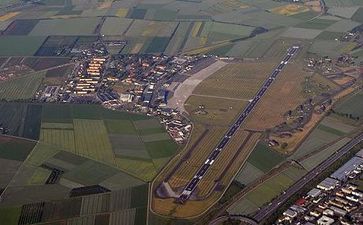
{"type": "Point", "coordinates": [193, 183]}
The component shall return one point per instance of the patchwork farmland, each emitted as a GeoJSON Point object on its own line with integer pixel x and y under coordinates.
{"type": "Point", "coordinates": [95, 171]}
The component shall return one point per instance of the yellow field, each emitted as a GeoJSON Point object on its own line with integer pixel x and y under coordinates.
{"type": "Point", "coordinates": [58, 137]}
{"type": "Point", "coordinates": [87, 145]}
{"type": "Point", "coordinates": [290, 9]}
{"type": "Point", "coordinates": [8, 16]}
{"type": "Point", "coordinates": [196, 28]}
{"type": "Point", "coordinates": [122, 12]}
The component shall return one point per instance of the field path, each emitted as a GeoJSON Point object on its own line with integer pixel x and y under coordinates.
{"type": "Point", "coordinates": [185, 89]}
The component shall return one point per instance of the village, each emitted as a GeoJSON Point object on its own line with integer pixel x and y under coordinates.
{"type": "Point", "coordinates": [335, 200]}
{"type": "Point", "coordinates": [133, 83]}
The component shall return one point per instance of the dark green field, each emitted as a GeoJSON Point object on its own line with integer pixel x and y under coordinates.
{"type": "Point", "coordinates": [264, 158]}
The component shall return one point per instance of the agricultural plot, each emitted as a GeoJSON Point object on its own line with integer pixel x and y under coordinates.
{"type": "Point", "coordinates": [10, 215]}
{"type": "Point", "coordinates": [261, 195]}
{"type": "Point", "coordinates": [327, 35]}
{"type": "Point", "coordinates": [318, 24]}
{"type": "Point", "coordinates": [317, 139]}
{"type": "Point", "coordinates": [145, 28]}
{"type": "Point", "coordinates": [20, 27]}
{"type": "Point", "coordinates": [90, 173]}
{"type": "Point", "coordinates": [37, 64]}
{"type": "Point", "coordinates": [289, 10]}
{"type": "Point", "coordinates": [258, 19]}
{"type": "Point", "coordinates": [53, 45]}
{"type": "Point", "coordinates": [358, 15]}
{"type": "Point", "coordinates": [264, 158]}
{"type": "Point", "coordinates": [20, 45]}
{"type": "Point", "coordinates": [73, 26]}
{"type": "Point", "coordinates": [116, 26]}
{"type": "Point", "coordinates": [13, 151]}
{"type": "Point", "coordinates": [351, 105]}
{"type": "Point", "coordinates": [343, 26]}
{"type": "Point", "coordinates": [301, 33]}
{"type": "Point", "coordinates": [345, 12]}
{"type": "Point", "coordinates": [8, 170]}
{"type": "Point", "coordinates": [23, 87]}
{"type": "Point", "coordinates": [343, 3]}
{"type": "Point", "coordinates": [330, 47]}
{"type": "Point", "coordinates": [314, 160]}
{"type": "Point", "coordinates": [248, 174]}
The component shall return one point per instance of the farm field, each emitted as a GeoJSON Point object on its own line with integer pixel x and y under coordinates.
{"type": "Point", "coordinates": [266, 191]}
{"type": "Point", "coordinates": [21, 45]}
{"type": "Point", "coordinates": [73, 26]}
{"type": "Point", "coordinates": [116, 193]}
{"type": "Point", "coordinates": [23, 87]}
{"type": "Point", "coordinates": [134, 143]}
{"type": "Point", "coordinates": [350, 106]}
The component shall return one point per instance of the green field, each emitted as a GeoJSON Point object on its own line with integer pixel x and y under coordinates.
{"type": "Point", "coordinates": [264, 158]}
{"type": "Point", "coordinates": [20, 45]}
{"type": "Point", "coordinates": [319, 157]}
{"type": "Point", "coordinates": [23, 87]}
{"type": "Point", "coordinates": [15, 149]}
{"type": "Point", "coordinates": [265, 192]}
{"type": "Point", "coordinates": [137, 144]}
{"type": "Point", "coordinates": [318, 24]}
{"type": "Point", "coordinates": [10, 216]}
{"type": "Point", "coordinates": [351, 105]}
{"type": "Point", "coordinates": [72, 26]}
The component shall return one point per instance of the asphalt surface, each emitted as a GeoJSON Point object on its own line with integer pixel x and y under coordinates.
{"type": "Point", "coordinates": [193, 183]}
{"type": "Point", "coordinates": [267, 211]}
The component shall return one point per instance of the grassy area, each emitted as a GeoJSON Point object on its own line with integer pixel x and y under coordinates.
{"type": "Point", "coordinates": [15, 149]}
{"type": "Point", "coordinates": [21, 88]}
{"type": "Point", "coordinates": [351, 105]}
{"type": "Point", "coordinates": [20, 45]}
{"type": "Point", "coordinates": [264, 158]}
{"type": "Point", "coordinates": [10, 216]}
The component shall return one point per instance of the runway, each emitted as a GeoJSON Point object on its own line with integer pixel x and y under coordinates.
{"type": "Point", "coordinates": [193, 183]}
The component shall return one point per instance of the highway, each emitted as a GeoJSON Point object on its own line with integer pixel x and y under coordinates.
{"type": "Point", "coordinates": [267, 211]}
{"type": "Point", "coordinates": [193, 183]}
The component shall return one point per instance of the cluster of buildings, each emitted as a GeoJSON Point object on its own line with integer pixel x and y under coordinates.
{"type": "Point", "coordinates": [335, 200]}
{"type": "Point", "coordinates": [178, 127]}
{"type": "Point", "coordinates": [87, 77]}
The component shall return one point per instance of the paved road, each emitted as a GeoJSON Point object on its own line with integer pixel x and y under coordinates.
{"type": "Point", "coordinates": [185, 89]}
{"type": "Point", "coordinates": [193, 183]}
{"type": "Point", "coordinates": [267, 211]}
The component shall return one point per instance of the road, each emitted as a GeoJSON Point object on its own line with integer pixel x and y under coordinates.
{"type": "Point", "coordinates": [267, 211]}
{"type": "Point", "coordinates": [193, 183]}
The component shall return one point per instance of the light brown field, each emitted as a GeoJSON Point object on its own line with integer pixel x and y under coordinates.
{"type": "Point", "coordinates": [193, 208]}
{"type": "Point", "coordinates": [285, 94]}
{"type": "Point", "coordinates": [290, 9]}
{"type": "Point", "coordinates": [8, 16]}
{"type": "Point", "coordinates": [236, 80]}
{"type": "Point", "coordinates": [223, 102]}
